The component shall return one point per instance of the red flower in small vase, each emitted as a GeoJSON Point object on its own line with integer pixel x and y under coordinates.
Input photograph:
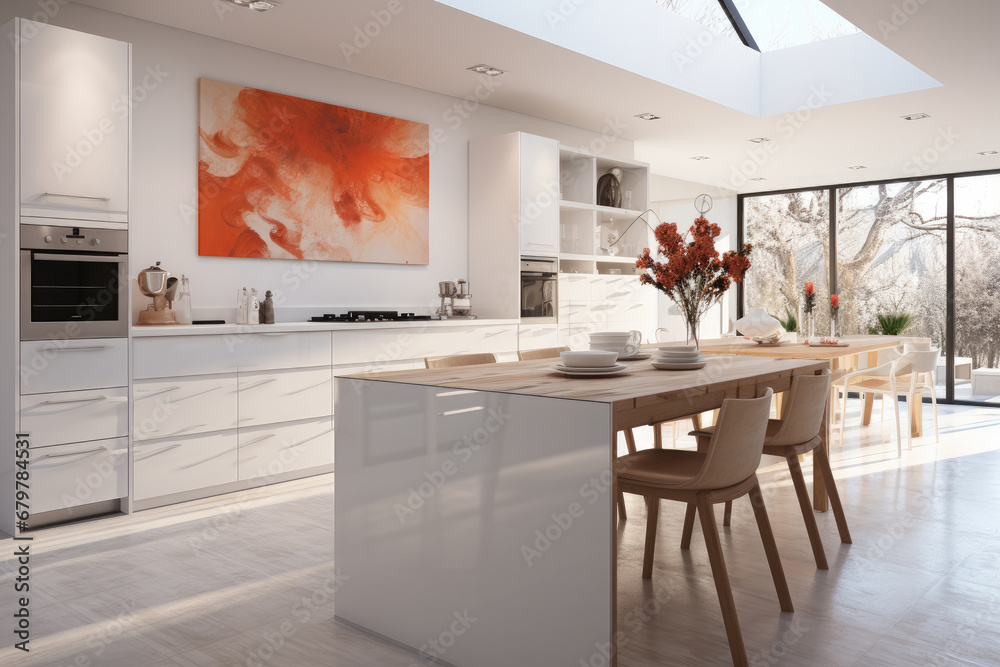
{"type": "Point", "coordinates": [835, 300]}
{"type": "Point", "coordinates": [810, 289]}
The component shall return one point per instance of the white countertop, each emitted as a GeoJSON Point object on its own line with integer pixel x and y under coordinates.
{"type": "Point", "coordinates": [294, 327]}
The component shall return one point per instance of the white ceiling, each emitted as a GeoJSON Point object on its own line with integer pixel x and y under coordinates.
{"type": "Point", "coordinates": [429, 45]}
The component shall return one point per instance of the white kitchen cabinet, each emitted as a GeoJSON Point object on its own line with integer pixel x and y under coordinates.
{"type": "Point", "coordinates": [390, 345]}
{"type": "Point", "coordinates": [181, 464]}
{"type": "Point", "coordinates": [267, 451]}
{"type": "Point", "coordinates": [277, 351]}
{"type": "Point", "coordinates": [179, 356]}
{"type": "Point", "coordinates": [66, 476]}
{"type": "Point", "coordinates": [183, 406]}
{"type": "Point", "coordinates": [75, 95]}
{"type": "Point", "coordinates": [270, 397]}
{"type": "Point", "coordinates": [537, 336]}
{"type": "Point", "coordinates": [67, 365]}
{"type": "Point", "coordinates": [538, 180]}
{"type": "Point", "coordinates": [75, 416]}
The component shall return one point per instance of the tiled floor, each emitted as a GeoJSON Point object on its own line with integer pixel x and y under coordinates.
{"type": "Point", "coordinates": [248, 579]}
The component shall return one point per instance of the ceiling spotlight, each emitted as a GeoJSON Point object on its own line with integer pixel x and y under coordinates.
{"type": "Point", "coordinates": [761, 140]}
{"type": "Point", "coordinates": [989, 153]}
{"type": "Point", "coordinates": [488, 70]}
{"type": "Point", "coordinates": [915, 116]}
{"type": "Point", "coordinates": [647, 116]}
{"type": "Point", "coordinates": [858, 166]}
{"type": "Point", "coordinates": [700, 157]}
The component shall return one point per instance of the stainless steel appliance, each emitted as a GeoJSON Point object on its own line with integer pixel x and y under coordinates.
{"type": "Point", "coordinates": [539, 277]}
{"type": "Point", "coordinates": [73, 282]}
{"type": "Point", "coordinates": [155, 282]}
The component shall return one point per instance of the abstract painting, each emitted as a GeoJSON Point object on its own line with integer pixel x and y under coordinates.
{"type": "Point", "coordinates": [285, 177]}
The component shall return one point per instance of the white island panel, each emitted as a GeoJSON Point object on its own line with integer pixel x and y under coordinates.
{"type": "Point", "coordinates": [475, 526]}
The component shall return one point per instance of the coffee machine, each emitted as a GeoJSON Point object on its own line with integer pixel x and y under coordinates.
{"type": "Point", "coordinates": [456, 300]}
{"type": "Point", "coordinates": [156, 283]}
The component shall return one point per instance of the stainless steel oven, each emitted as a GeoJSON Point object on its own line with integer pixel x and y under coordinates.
{"type": "Point", "coordinates": [73, 282]}
{"type": "Point", "coordinates": [539, 277]}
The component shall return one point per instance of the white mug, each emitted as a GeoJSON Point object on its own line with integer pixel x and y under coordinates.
{"type": "Point", "coordinates": [625, 343]}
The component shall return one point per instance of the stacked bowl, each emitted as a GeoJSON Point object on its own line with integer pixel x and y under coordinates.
{"type": "Point", "coordinates": [589, 363]}
{"type": "Point", "coordinates": [678, 358]}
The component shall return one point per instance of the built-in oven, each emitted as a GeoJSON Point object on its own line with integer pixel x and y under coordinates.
{"type": "Point", "coordinates": [73, 282]}
{"type": "Point", "coordinates": [539, 278]}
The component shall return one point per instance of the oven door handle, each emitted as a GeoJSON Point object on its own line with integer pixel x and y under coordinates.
{"type": "Point", "coordinates": [537, 274]}
{"type": "Point", "coordinates": [45, 257]}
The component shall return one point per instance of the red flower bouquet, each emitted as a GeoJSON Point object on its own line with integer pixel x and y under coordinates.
{"type": "Point", "coordinates": [692, 273]}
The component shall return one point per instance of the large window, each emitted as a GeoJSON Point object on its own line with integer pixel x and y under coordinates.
{"type": "Point", "coordinates": [890, 249]}
{"type": "Point", "coordinates": [790, 234]}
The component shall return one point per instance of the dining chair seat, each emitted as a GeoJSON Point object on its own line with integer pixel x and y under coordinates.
{"type": "Point", "coordinates": [647, 467]}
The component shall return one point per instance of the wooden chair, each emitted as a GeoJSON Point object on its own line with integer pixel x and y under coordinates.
{"type": "Point", "coordinates": [795, 434]}
{"type": "Point", "coordinates": [726, 470]}
{"type": "Point", "coordinates": [542, 353]}
{"type": "Point", "coordinates": [460, 360]}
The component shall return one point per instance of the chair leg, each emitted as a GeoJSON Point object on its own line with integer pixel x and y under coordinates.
{"type": "Point", "coordinates": [909, 420]}
{"type": "Point", "coordinates": [622, 513]}
{"type": "Point", "coordinates": [822, 459]}
{"type": "Point", "coordinates": [689, 517]}
{"type": "Point", "coordinates": [727, 515]}
{"type": "Point", "coordinates": [843, 417]}
{"type": "Point", "coordinates": [722, 586]}
{"type": "Point", "coordinates": [630, 440]}
{"type": "Point", "coordinates": [770, 549]}
{"type": "Point", "coordinates": [658, 436]}
{"type": "Point", "coordinates": [652, 515]}
{"type": "Point", "coordinates": [807, 512]}
{"type": "Point", "coordinates": [899, 436]}
{"type": "Point", "coordinates": [933, 390]}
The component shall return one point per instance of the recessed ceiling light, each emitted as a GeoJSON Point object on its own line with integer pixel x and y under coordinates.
{"type": "Point", "coordinates": [989, 153]}
{"type": "Point", "coordinates": [647, 116]}
{"type": "Point", "coordinates": [858, 166]}
{"type": "Point", "coordinates": [915, 116]}
{"type": "Point", "coordinates": [488, 70]}
{"type": "Point", "coordinates": [700, 157]}
{"type": "Point", "coordinates": [758, 178]}
{"type": "Point", "coordinates": [761, 140]}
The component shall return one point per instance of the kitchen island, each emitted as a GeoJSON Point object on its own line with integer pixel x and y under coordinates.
{"type": "Point", "coordinates": [474, 506]}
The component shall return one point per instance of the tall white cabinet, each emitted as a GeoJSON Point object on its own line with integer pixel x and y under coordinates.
{"type": "Point", "coordinates": [64, 161]}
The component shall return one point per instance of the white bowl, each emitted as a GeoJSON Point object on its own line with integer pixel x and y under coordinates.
{"type": "Point", "coordinates": [604, 346]}
{"type": "Point", "coordinates": [678, 348]}
{"type": "Point", "coordinates": [588, 358]}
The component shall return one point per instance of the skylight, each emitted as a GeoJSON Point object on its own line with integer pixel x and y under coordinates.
{"type": "Point", "coordinates": [766, 25]}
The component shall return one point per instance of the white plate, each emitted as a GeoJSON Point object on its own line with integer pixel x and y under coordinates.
{"type": "Point", "coordinates": [634, 357]}
{"type": "Point", "coordinates": [590, 372]}
{"type": "Point", "coordinates": [679, 367]}
{"type": "Point", "coordinates": [562, 368]}
{"type": "Point", "coordinates": [678, 359]}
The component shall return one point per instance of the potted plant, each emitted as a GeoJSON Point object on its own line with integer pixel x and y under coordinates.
{"type": "Point", "coordinates": [894, 324]}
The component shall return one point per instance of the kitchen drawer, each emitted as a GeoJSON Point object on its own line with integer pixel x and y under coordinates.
{"type": "Point", "coordinates": [178, 356]}
{"type": "Point", "coordinates": [175, 465]}
{"type": "Point", "coordinates": [179, 406]}
{"type": "Point", "coordinates": [281, 448]}
{"type": "Point", "coordinates": [75, 416]}
{"type": "Point", "coordinates": [277, 351]}
{"type": "Point", "coordinates": [271, 397]}
{"type": "Point", "coordinates": [67, 476]}
{"type": "Point", "coordinates": [49, 366]}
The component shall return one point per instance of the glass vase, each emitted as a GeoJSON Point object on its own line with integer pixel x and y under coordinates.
{"type": "Point", "coordinates": [692, 333]}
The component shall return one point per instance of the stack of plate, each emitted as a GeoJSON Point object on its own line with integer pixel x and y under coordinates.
{"type": "Point", "coordinates": [678, 358]}
{"type": "Point", "coordinates": [592, 363]}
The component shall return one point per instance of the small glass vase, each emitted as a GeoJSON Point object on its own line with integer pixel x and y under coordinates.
{"type": "Point", "coordinates": [692, 333]}
{"type": "Point", "coordinates": [810, 328]}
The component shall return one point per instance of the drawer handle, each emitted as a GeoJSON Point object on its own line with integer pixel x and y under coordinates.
{"type": "Point", "coordinates": [260, 439]}
{"type": "Point", "coordinates": [215, 456]}
{"type": "Point", "coordinates": [76, 349]}
{"type": "Point", "coordinates": [259, 384]}
{"type": "Point", "coordinates": [60, 194]}
{"type": "Point", "coordinates": [81, 454]}
{"type": "Point", "coordinates": [75, 400]}
{"type": "Point", "coordinates": [162, 451]}
{"type": "Point", "coordinates": [158, 393]}
{"type": "Point", "coordinates": [318, 435]}
{"type": "Point", "coordinates": [299, 391]}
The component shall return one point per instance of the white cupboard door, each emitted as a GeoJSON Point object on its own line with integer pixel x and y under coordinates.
{"type": "Point", "coordinates": [67, 476]}
{"type": "Point", "coordinates": [278, 396]}
{"type": "Point", "coordinates": [75, 416]}
{"type": "Point", "coordinates": [274, 351]}
{"type": "Point", "coordinates": [180, 406]}
{"type": "Point", "coordinates": [179, 356]}
{"type": "Point", "coordinates": [176, 465]}
{"type": "Point", "coordinates": [68, 365]}
{"type": "Point", "coordinates": [539, 194]}
{"type": "Point", "coordinates": [74, 116]}
{"type": "Point", "coordinates": [268, 451]}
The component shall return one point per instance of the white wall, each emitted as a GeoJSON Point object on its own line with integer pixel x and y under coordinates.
{"type": "Point", "coordinates": [719, 318]}
{"type": "Point", "coordinates": [165, 162]}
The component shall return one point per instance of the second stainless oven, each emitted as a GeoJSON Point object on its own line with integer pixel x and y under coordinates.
{"type": "Point", "coordinates": [539, 278]}
{"type": "Point", "coordinates": [73, 282]}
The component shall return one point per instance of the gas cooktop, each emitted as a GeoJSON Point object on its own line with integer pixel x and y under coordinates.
{"type": "Point", "coordinates": [371, 316]}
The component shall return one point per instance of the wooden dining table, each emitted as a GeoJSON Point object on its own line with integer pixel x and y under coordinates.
{"type": "Point", "coordinates": [840, 360]}
{"type": "Point", "coordinates": [489, 492]}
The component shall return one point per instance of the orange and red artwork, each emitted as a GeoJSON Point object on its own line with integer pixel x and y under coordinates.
{"type": "Point", "coordinates": [285, 177]}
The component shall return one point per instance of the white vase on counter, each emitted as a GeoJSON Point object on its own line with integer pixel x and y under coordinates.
{"type": "Point", "coordinates": [758, 324]}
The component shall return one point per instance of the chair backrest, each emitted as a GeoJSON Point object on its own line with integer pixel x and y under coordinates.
{"type": "Point", "coordinates": [460, 360]}
{"type": "Point", "coordinates": [734, 451]}
{"type": "Point", "coordinates": [803, 410]}
{"type": "Point", "coordinates": [918, 361]}
{"type": "Point", "coordinates": [543, 353]}
{"type": "Point", "coordinates": [921, 346]}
